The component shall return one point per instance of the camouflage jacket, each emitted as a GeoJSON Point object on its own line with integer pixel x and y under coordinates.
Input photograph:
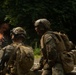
{"type": "Point", "coordinates": [48, 48]}
{"type": "Point", "coordinates": [7, 52]}
{"type": "Point", "coordinates": [13, 66]}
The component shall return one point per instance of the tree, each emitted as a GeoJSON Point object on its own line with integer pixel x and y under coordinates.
{"type": "Point", "coordinates": [61, 13]}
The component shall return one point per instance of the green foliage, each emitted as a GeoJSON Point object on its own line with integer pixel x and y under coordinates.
{"type": "Point", "coordinates": [61, 14]}
{"type": "Point", "coordinates": [37, 51]}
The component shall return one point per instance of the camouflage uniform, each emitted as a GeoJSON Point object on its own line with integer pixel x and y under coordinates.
{"type": "Point", "coordinates": [3, 42]}
{"type": "Point", "coordinates": [49, 62]}
{"type": "Point", "coordinates": [8, 50]}
{"type": "Point", "coordinates": [14, 67]}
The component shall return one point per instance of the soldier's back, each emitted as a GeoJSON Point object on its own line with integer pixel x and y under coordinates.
{"type": "Point", "coordinates": [24, 59]}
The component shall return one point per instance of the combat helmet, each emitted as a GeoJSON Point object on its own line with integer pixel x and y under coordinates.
{"type": "Point", "coordinates": [43, 22]}
{"type": "Point", "coordinates": [18, 31]}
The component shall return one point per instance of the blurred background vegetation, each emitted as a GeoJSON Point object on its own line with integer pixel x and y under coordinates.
{"type": "Point", "coordinates": [61, 14]}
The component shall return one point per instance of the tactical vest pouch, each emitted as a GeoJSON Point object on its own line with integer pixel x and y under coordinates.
{"type": "Point", "coordinates": [67, 61]}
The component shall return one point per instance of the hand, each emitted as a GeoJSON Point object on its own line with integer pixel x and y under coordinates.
{"type": "Point", "coordinates": [35, 69]}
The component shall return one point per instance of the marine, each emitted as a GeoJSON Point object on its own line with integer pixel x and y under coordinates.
{"type": "Point", "coordinates": [49, 63]}
{"type": "Point", "coordinates": [18, 57]}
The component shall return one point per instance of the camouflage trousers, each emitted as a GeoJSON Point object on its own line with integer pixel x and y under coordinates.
{"type": "Point", "coordinates": [57, 70]}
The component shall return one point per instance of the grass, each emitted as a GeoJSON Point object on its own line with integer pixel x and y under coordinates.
{"type": "Point", "coordinates": [37, 52]}
{"type": "Point", "coordinates": [37, 56]}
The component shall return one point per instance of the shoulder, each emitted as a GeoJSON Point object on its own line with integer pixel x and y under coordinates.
{"type": "Point", "coordinates": [26, 48]}
{"type": "Point", "coordinates": [47, 37]}
{"type": "Point", "coordinates": [8, 48]}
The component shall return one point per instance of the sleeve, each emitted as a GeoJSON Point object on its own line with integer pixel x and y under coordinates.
{"type": "Point", "coordinates": [50, 47]}
{"type": "Point", "coordinates": [7, 53]}
{"type": "Point", "coordinates": [2, 60]}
